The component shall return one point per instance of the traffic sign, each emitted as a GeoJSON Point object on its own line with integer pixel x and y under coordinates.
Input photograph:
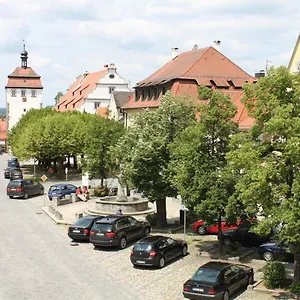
{"type": "Point", "coordinates": [44, 177]}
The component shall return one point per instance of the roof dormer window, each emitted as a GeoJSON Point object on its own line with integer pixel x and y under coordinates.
{"type": "Point", "coordinates": [13, 92]}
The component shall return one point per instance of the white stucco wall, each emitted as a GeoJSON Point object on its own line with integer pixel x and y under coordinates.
{"type": "Point", "coordinates": [16, 107]}
{"type": "Point", "coordinates": [102, 93]}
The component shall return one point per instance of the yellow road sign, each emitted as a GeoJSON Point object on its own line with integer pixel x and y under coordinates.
{"type": "Point", "coordinates": [44, 177]}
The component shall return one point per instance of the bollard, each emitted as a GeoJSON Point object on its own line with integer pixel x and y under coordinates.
{"type": "Point", "coordinates": [78, 216]}
{"type": "Point", "coordinates": [73, 198]}
{"type": "Point", "coordinates": [55, 201]}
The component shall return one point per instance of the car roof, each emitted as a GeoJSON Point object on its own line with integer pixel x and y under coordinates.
{"type": "Point", "coordinates": [153, 239]}
{"type": "Point", "coordinates": [216, 265]}
{"type": "Point", "coordinates": [62, 184]}
{"type": "Point", "coordinates": [110, 219]}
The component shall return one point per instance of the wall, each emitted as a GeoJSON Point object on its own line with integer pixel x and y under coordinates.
{"type": "Point", "coordinates": [15, 107]}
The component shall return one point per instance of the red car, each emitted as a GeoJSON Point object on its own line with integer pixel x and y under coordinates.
{"type": "Point", "coordinates": [201, 229]}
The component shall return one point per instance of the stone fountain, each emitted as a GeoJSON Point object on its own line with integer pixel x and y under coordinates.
{"type": "Point", "coordinates": [133, 205]}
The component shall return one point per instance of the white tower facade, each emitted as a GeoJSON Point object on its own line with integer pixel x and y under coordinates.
{"type": "Point", "coordinates": [24, 91]}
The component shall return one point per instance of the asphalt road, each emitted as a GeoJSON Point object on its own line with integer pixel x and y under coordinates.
{"type": "Point", "coordinates": [37, 261]}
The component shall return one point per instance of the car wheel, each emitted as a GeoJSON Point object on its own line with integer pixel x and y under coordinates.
{"type": "Point", "coordinates": [201, 230]}
{"type": "Point", "coordinates": [146, 231]}
{"type": "Point", "coordinates": [161, 262]}
{"type": "Point", "coordinates": [26, 196]}
{"type": "Point", "coordinates": [184, 251]}
{"type": "Point", "coordinates": [268, 256]}
{"type": "Point", "coordinates": [10, 197]}
{"type": "Point", "coordinates": [123, 242]}
{"type": "Point", "coordinates": [227, 241]}
{"type": "Point", "coordinates": [225, 295]}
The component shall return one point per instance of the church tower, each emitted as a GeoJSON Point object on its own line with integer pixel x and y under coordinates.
{"type": "Point", "coordinates": [24, 91]}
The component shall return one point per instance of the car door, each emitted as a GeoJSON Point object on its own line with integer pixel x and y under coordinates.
{"type": "Point", "coordinates": [231, 280]}
{"type": "Point", "coordinates": [174, 248]}
{"type": "Point", "coordinates": [71, 189]}
{"type": "Point", "coordinates": [28, 187]}
{"type": "Point", "coordinates": [137, 227]}
{"type": "Point", "coordinates": [164, 249]}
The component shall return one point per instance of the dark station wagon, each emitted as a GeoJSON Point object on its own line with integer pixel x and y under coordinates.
{"type": "Point", "coordinates": [118, 231]}
{"type": "Point", "coordinates": [24, 188]}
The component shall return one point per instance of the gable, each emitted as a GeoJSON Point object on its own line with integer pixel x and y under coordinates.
{"type": "Point", "coordinates": [294, 64]}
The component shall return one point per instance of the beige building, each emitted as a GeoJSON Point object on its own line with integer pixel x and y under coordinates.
{"type": "Point", "coordinates": [294, 65]}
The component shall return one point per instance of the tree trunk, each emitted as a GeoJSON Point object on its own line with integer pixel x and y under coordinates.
{"type": "Point", "coordinates": [75, 162]}
{"type": "Point", "coordinates": [102, 181]}
{"type": "Point", "coordinates": [161, 209]}
{"type": "Point", "coordinates": [220, 237]}
{"type": "Point", "coordinates": [297, 263]}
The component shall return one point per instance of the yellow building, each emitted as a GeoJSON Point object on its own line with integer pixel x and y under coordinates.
{"type": "Point", "coordinates": [294, 65]}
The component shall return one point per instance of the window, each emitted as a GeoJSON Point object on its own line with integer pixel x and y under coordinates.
{"type": "Point", "coordinates": [24, 109]}
{"type": "Point", "coordinates": [111, 89]}
{"type": "Point", "coordinates": [143, 94]}
{"type": "Point", "coordinates": [163, 90]}
{"type": "Point", "coordinates": [23, 93]}
{"type": "Point", "coordinates": [132, 221]}
{"type": "Point", "coordinates": [111, 76]}
{"type": "Point", "coordinates": [33, 93]}
{"type": "Point", "coordinates": [155, 93]}
{"type": "Point", "coordinates": [97, 104]}
{"type": "Point", "coordinates": [13, 92]}
{"type": "Point", "coordinates": [149, 94]}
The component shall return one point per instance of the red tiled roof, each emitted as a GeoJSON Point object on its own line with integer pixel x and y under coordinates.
{"type": "Point", "coordinates": [203, 65]}
{"type": "Point", "coordinates": [79, 90]}
{"type": "Point", "coordinates": [24, 78]}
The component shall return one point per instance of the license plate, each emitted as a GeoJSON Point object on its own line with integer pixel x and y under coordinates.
{"type": "Point", "coordinates": [99, 233]}
{"type": "Point", "coordinates": [198, 290]}
{"type": "Point", "coordinates": [140, 261]}
{"type": "Point", "coordinates": [77, 231]}
{"type": "Point", "coordinates": [13, 189]}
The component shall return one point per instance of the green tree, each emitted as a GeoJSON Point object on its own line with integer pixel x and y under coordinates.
{"type": "Point", "coordinates": [57, 97]}
{"type": "Point", "coordinates": [101, 134]}
{"type": "Point", "coordinates": [199, 158]}
{"type": "Point", "coordinates": [143, 152]}
{"type": "Point", "coordinates": [267, 160]}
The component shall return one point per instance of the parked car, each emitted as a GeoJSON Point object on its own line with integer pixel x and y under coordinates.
{"type": "Point", "coordinates": [217, 280]}
{"type": "Point", "coordinates": [201, 228]}
{"type": "Point", "coordinates": [245, 236]}
{"type": "Point", "coordinates": [80, 230]}
{"type": "Point", "coordinates": [8, 170]}
{"type": "Point", "coordinates": [13, 162]}
{"type": "Point", "coordinates": [24, 188]}
{"type": "Point", "coordinates": [157, 250]}
{"type": "Point", "coordinates": [16, 174]}
{"type": "Point", "coordinates": [60, 190]}
{"type": "Point", "coordinates": [276, 251]}
{"type": "Point", "coordinates": [118, 231]}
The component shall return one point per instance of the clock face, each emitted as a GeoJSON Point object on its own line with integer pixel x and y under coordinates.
{"type": "Point", "coordinates": [111, 76]}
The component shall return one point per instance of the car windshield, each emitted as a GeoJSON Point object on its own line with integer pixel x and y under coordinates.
{"type": "Point", "coordinates": [83, 222]}
{"type": "Point", "coordinates": [103, 227]}
{"type": "Point", "coordinates": [54, 188]}
{"type": "Point", "coordinates": [206, 275]}
{"type": "Point", "coordinates": [142, 247]}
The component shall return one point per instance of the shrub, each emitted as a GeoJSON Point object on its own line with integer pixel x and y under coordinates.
{"type": "Point", "coordinates": [274, 274]}
{"type": "Point", "coordinates": [151, 219]}
{"type": "Point", "coordinates": [295, 288]}
{"type": "Point", "coordinates": [101, 191]}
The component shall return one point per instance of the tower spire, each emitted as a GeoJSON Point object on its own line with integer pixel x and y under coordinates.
{"type": "Point", "coordinates": [24, 57]}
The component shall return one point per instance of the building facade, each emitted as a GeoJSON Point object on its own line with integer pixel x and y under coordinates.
{"type": "Point", "coordinates": [24, 91]}
{"type": "Point", "coordinates": [117, 100]}
{"type": "Point", "coordinates": [182, 76]}
{"type": "Point", "coordinates": [91, 92]}
{"type": "Point", "coordinates": [294, 64]}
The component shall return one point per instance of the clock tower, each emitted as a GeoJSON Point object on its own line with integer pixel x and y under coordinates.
{"type": "Point", "coordinates": [24, 91]}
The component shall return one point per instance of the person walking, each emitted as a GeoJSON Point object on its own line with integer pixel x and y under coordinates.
{"type": "Point", "coordinates": [119, 212]}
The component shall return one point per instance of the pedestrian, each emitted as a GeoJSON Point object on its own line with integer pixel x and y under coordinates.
{"type": "Point", "coordinates": [85, 193]}
{"type": "Point", "coordinates": [119, 212]}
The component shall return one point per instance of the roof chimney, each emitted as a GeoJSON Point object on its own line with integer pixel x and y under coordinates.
{"type": "Point", "coordinates": [217, 45]}
{"type": "Point", "coordinates": [86, 73]}
{"type": "Point", "coordinates": [260, 74]}
{"type": "Point", "coordinates": [195, 47]}
{"type": "Point", "coordinates": [174, 52]}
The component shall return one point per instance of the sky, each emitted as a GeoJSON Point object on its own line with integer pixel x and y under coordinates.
{"type": "Point", "coordinates": [66, 38]}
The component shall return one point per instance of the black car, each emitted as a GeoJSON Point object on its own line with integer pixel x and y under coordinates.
{"type": "Point", "coordinates": [80, 230]}
{"type": "Point", "coordinates": [245, 236]}
{"type": "Point", "coordinates": [276, 251]}
{"type": "Point", "coordinates": [217, 280]}
{"type": "Point", "coordinates": [13, 162]}
{"type": "Point", "coordinates": [8, 170]}
{"type": "Point", "coordinates": [16, 174]}
{"type": "Point", "coordinates": [118, 231]}
{"type": "Point", "coordinates": [24, 188]}
{"type": "Point", "coordinates": [157, 250]}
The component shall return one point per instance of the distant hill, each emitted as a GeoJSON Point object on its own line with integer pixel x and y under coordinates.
{"type": "Point", "coordinates": [2, 111]}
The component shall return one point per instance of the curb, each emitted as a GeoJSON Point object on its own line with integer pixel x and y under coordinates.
{"type": "Point", "coordinates": [51, 216]}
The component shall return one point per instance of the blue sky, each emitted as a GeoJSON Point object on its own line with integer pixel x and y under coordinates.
{"type": "Point", "coordinates": [65, 38]}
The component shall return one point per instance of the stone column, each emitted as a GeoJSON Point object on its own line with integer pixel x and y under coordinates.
{"type": "Point", "coordinates": [85, 179]}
